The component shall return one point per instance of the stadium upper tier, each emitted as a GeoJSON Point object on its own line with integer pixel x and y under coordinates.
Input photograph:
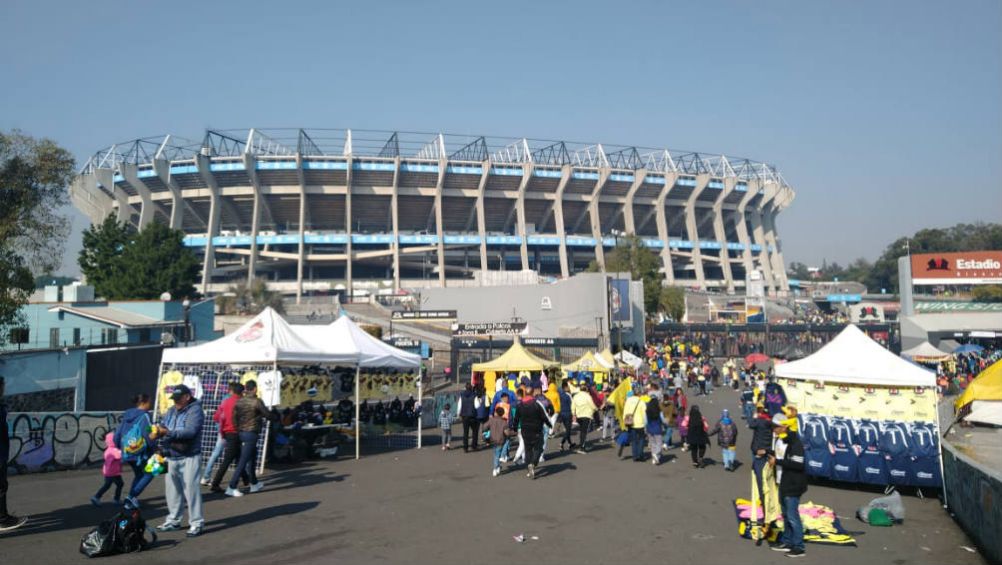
{"type": "Point", "coordinates": [306, 208]}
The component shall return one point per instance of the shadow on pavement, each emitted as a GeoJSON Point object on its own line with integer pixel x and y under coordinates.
{"type": "Point", "coordinates": [80, 516]}
{"type": "Point", "coordinates": [259, 515]}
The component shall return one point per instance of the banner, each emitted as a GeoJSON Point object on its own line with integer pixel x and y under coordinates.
{"type": "Point", "coordinates": [965, 267]}
{"type": "Point", "coordinates": [861, 402]}
{"type": "Point", "coordinates": [619, 300]}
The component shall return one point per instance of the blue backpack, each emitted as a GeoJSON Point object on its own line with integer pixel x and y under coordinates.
{"type": "Point", "coordinates": [134, 443]}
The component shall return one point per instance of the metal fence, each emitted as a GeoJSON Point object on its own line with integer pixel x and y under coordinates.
{"type": "Point", "coordinates": [732, 340]}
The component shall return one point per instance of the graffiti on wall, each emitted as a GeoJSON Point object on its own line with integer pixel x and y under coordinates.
{"type": "Point", "coordinates": [50, 441]}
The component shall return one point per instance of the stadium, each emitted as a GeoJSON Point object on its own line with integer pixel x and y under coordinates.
{"type": "Point", "coordinates": [313, 210]}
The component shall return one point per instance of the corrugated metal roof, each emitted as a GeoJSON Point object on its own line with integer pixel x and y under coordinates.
{"type": "Point", "coordinates": [114, 316]}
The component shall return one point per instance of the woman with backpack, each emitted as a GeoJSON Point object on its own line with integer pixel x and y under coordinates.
{"type": "Point", "coordinates": [727, 438]}
{"type": "Point", "coordinates": [696, 435]}
{"type": "Point", "coordinates": [133, 438]}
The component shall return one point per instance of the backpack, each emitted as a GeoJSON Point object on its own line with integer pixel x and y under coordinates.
{"type": "Point", "coordinates": [125, 532]}
{"type": "Point", "coordinates": [134, 441]}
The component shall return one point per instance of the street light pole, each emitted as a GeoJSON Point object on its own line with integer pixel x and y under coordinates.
{"type": "Point", "coordinates": [186, 305]}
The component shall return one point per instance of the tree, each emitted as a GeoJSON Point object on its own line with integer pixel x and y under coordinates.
{"type": "Point", "coordinates": [33, 178]}
{"type": "Point", "coordinates": [249, 299]}
{"type": "Point", "coordinates": [125, 264]}
{"type": "Point", "coordinates": [987, 293]}
{"type": "Point", "coordinates": [673, 302]}
{"type": "Point", "coordinates": [632, 256]}
{"type": "Point", "coordinates": [798, 270]}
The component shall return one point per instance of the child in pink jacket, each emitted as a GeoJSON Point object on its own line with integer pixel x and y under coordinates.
{"type": "Point", "coordinates": [112, 471]}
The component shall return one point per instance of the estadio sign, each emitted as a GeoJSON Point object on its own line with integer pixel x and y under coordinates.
{"type": "Point", "coordinates": [970, 267]}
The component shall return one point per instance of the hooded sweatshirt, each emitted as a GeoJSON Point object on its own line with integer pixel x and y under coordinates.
{"type": "Point", "coordinates": [129, 419]}
{"type": "Point", "coordinates": [112, 457]}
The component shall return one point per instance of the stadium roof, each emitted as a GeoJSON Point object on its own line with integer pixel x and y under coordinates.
{"type": "Point", "coordinates": [314, 143]}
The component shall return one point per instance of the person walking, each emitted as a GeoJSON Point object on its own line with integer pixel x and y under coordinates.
{"type": "Point", "coordinates": [133, 438]}
{"type": "Point", "coordinates": [497, 427]}
{"type": "Point", "coordinates": [8, 521]}
{"type": "Point", "coordinates": [696, 436]}
{"type": "Point", "coordinates": [727, 437]}
{"type": "Point", "coordinates": [111, 470]}
{"type": "Point", "coordinates": [792, 485]}
{"type": "Point", "coordinates": [654, 428]}
{"type": "Point", "coordinates": [228, 443]}
{"type": "Point", "coordinates": [467, 410]}
{"type": "Point", "coordinates": [247, 415]}
{"type": "Point", "coordinates": [180, 437]}
{"type": "Point", "coordinates": [566, 416]}
{"type": "Point", "coordinates": [583, 410]}
{"type": "Point", "coordinates": [445, 420]}
{"type": "Point", "coordinates": [635, 420]}
{"type": "Point", "coordinates": [531, 418]}
{"type": "Point", "coordinates": [669, 416]}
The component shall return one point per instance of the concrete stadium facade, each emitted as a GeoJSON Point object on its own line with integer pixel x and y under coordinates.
{"type": "Point", "coordinates": [307, 208]}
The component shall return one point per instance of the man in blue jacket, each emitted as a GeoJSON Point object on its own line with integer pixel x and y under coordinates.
{"type": "Point", "coordinates": [7, 520]}
{"type": "Point", "coordinates": [180, 436]}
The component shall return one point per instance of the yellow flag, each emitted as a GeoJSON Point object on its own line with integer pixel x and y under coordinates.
{"type": "Point", "coordinates": [618, 399]}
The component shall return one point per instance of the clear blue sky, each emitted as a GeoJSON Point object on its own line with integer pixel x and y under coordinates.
{"type": "Point", "coordinates": [884, 116]}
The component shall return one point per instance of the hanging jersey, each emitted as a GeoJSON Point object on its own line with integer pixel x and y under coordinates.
{"type": "Point", "coordinates": [924, 453]}
{"type": "Point", "coordinates": [815, 440]}
{"type": "Point", "coordinates": [168, 381]}
{"type": "Point", "coordinates": [872, 468]}
{"type": "Point", "coordinates": [844, 462]}
{"type": "Point", "coordinates": [269, 388]}
{"type": "Point", "coordinates": [894, 445]}
{"type": "Point", "coordinates": [193, 382]}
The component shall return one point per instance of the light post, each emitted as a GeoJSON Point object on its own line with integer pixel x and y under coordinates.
{"type": "Point", "coordinates": [619, 322]}
{"type": "Point", "coordinates": [186, 305]}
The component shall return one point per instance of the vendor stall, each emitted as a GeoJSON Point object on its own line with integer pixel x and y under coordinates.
{"type": "Point", "coordinates": [263, 349]}
{"type": "Point", "coordinates": [516, 360]}
{"type": "Point", "coordinates": [925, 352]}
{"type": "Point", "coordinates": [866, 415]}
{"type": "Point", "coordinates": [589, 363]}
{"type": "Point", "coordinates": [981, 402]}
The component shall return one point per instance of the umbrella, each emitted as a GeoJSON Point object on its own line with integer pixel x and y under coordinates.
{"type": "Point", "coordinates": [756, 358]}
{"type": "Point", "coordinates": [969, 348]}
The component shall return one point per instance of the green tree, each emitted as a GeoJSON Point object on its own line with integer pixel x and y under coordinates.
{"type": "Point", "coordinates": [798, 270]}
{"type": "Point", "coordinates": [673, 302]}
{"type": "Point", "coordinates": [34, 174]}
{"type": "Point", "coordinates": [124, 264]}
{"type": "Point", "coordinates": [249, 299]}
{"type": "Point", "coordinates": [632, 256]}
{"type": "Point", "coordinates": [987, 293]}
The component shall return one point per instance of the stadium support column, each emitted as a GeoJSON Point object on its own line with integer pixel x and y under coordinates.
{"type": "Point", "coordinates": [755, 215]}
{"type": "Point", "coordinates": [662, 222]}
{"type": "Point", "coordinates": [162, 169]}
{"type": "Point", "coordinates": [395, 220]}
{"type": "Point", "coordinates": [482, 216]}
{"type": "Point", "coordinates": [721, 234]}
{"type": "Point", "coordinates": [741, 226]}
{"type": "Point", "coordinates": [106, 178]}
{"type": "Point", "coordinates": [128, 171]}
{"type": "Point", "coordinates": [301, 251]}
{"type": "Point", "coordinates": [558, 217]}
{"type": "Point", "coordinates": [249, 166]}
{"type": "Point", "coordinates": [690, 226]}
{"type": "Point", "coordinates": [215, 208]}
{"type": "Point", "coordinates": [596, 221]}
{"type": "Point", "coordinates": [439, 231]}
{"type": "Point", "coordinates": [348, 254]}
{"type": "Point", "coordinates": [628, 221]}
{"type": "Point", "coordinates": [520, 215]}
{"type": "Point", "coordinates": [779, 202]}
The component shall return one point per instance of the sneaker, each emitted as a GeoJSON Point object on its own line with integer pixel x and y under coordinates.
{"type": "Point", "coordinates": [655, 460]}
{"type": "Point", "coordinates": [193, 532]}
{"type": "Point", "coordinates": [532, 471]}
{"type": "Point", "coordinates": [168, 527]}
{"type": "Point", "coordinates": [12, 523]}
{"type": "Point", "coordinates": [504, 459]}
{"type": "Point", "coordinates": [580, 451]}
{"type": "Point", "coordinates": [131, 502]}
{"type": "Point", "coordinates": [779, 546]}
{"type": "Point", "coordinates": [234, 493]}
{"type": "Point", "coordinates": [205, 482]}
{"type": "Point", "coordinates": [496, 472]}
{"type": "Point", "coordinates": [796, 552]}
{"type": "Point", "coordinates": [95, 501]}
{"type": "Point", "coordinates": [257, 487]}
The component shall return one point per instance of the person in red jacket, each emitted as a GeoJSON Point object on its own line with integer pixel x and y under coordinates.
{"type": "Point", "coordinates": [229, 433]}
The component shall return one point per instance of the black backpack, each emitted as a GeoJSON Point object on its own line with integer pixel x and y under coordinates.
{"type": "Point", "coordinates": [125, 532]}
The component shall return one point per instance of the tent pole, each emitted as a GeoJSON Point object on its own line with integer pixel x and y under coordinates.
{"type": "Point", "coordinates": [942, 469]}
{"type": "Point", "coordinates": [420, 427]}
{"type": "Point", "coordinates": [358, 423]}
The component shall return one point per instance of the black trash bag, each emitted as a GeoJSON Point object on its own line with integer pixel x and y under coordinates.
{"type": "Point", "coordinates": [125, 532]}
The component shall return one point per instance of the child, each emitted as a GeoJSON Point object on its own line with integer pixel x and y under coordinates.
{"type": "Point", "coordinates": [727, 439]}
{"type": "Point", "coordinates": [445, 420]}
{"type": "Point", "coordinates": [112, 471]}
{"type": "Point", "coordinates": [496, 427]}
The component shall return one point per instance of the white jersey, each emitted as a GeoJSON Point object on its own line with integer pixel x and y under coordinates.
{"type": "Point", "coordinates": [194, 383]}
{"type": "Point", "coordinates": [269, 388]}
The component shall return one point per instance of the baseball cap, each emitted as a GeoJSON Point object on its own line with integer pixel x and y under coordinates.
{"type": "Point", "coordinates": [779, 420]}
{"type": "Point", "coordinates": [180, 390]}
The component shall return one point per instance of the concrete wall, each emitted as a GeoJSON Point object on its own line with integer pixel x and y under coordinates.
{"type": "Point", "coordinates": [50, 441]}
{"type": "Point", "coordinates": [575, 303]}
{"type": "Point", "coordinates": [974, 495]}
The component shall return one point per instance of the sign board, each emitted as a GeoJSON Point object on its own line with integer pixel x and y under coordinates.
{"type": "Point", "coordinates": [958, 306]}
{"type": "Point", "coordinates": [403, 342]}
{"type": "Point", "coordinates": [619, 300]}
{"type": "Point", "coordinates": [474, 343]}
{"type": "Point", "coordinates": [844, 298]}
{"type": "Point", "coordinates": [489, 328]}
{"type": "Point", "coordinates": [404, 315]}
{"type": "Point", "coordinates": [962, 267]}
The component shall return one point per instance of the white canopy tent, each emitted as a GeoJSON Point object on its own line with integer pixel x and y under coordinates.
{"type": "Point", "coordinates": [629, 359]}
{"type": "Point", "coordinates": [925, 351]}
{"type": "Point", "coordinates": [269, 339]}
{"type": "Point", "coordinates": [852, 357]}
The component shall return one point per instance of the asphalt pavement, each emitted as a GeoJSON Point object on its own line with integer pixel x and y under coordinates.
{"type": "Point", "coordinates": [430, 506]}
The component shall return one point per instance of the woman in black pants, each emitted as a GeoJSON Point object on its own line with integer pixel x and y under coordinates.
{"type": "Point", "coordinates": [697, 437]}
